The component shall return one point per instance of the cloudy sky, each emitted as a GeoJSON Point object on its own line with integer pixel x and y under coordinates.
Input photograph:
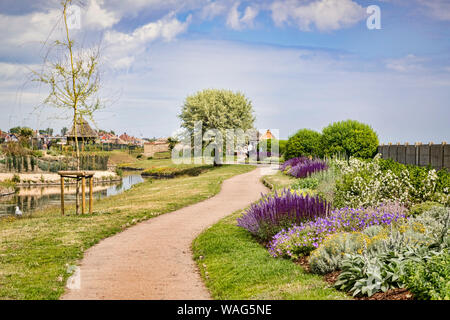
{"type": "Point", "coordinates": [303, 63]}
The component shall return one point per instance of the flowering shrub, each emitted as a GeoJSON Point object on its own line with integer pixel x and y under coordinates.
{"type": "Point", "coordinates": [328, 257]}
{"type": "Point", "coordinates": [307, 236]}
{"type": "Point", "coordinates": [302, 167]}
{"type": "Point", "coordinates": [274, 212]}
{"type": "Point", "coordinates": [387, 263]}
{"type": "Point", "coordinates": [369, 183]}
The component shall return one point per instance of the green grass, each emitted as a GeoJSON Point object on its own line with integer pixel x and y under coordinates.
{"type": "Point", "coordinates": [235, 266]}
{"type": "Point", "coordinates": [36, 252]}
{"type": "Point", "coordinates": [279, 180]}
{"type": "Point", "coordinates": [7, 186]}
{"type": "Point", "coordinates": [146, 164]}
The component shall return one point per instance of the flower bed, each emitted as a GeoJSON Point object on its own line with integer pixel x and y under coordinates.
{"type": "Point", "coordinates": [303, 167]}
{"type": "Point", "coordinates": [389, 235]}
{"type": "Point", "coordinates": [274, 212]}
{"type": "Point", "coordinates": [368, 183]}
{"type": "Point", "coordinates": [303, 238]}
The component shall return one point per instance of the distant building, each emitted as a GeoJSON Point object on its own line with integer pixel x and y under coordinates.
{"type": "Point", "coordinates": [131, 140]}
{"type": "Point", "coordinates": [160, 145]}
{"type": "Point", "coordinates": [268, 135]}
{"type": "Point", "coordinates": [11, 137]}
{"type": "Point", "coordinates": [84, 132]}
{"type": "Point", "coordinates": [2, 136]}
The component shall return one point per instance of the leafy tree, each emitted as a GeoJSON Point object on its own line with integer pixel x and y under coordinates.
{"type": "Point", "coordinates": [305, 142]}
{"type": "Point", "coordinates": [64, 131]}
{"type": "Point", "coordinates": [217, 109]}
{"type": "Point", "coordinates": [350, 137]}
{"type": "Point", "coordinates": [15, 130]}
{"type": "Point", "coordinates": [26, 132]}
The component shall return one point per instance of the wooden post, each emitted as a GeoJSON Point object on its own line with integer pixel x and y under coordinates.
{"type": "Point", "coordinates": [91, 198]}
{"type": "Point", "coordinates": [443, 154]}
{"type": "Point", "coordinates": [83, 195]}
{"type": "Point", "coordinates": [62, 195]}
{"type": "Point", "coordinates": [77, 197]}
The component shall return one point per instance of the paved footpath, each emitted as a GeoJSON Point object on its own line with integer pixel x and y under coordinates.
{"type": "Point", "coordinates": [153, 260]}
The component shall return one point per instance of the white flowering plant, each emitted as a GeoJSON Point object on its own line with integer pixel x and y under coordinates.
{"type": "Point", "coordinates": [371, 182]}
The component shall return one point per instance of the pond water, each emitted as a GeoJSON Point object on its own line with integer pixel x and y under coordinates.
{"type": "Point", "coordinates": [28, 199]}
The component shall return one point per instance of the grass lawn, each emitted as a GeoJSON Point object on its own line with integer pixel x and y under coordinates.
{"type": "Point", "coordinates": [235, 266]}
{"type": "Point", "coordinates": [35, 252]}
{"type": "Point", "coordinates": [146, 164]}
{"type": "Point", "coordinates": [279, 180]}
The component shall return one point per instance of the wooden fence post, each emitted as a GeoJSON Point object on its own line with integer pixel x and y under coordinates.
{"type": "Point", "coordinates": [90, 194]}
{"type": "Point", "coordinates": [83, 195]}
{"type": "Point", "coordinates": [62, 195]}
{"type": "Point", "coordinates": [443, 154]}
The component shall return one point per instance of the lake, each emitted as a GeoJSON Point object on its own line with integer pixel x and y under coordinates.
{"type": "Point", "coordinates": [29, 199]}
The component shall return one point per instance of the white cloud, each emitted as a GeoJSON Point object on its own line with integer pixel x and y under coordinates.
{"type": "Point", "coordinates": [34, 27]}
{"type": "Point", "coordinates": [213, 9]}
{"type": "Point", "coordinates": [410, 63]}
{"type": "Point", "coordinates": [439, 9]}
{"type": "Point", "coordinates": [122, 48]}
{"type": "Point", "coordinates": [97, 17]}
{"type": "Point", "coordinates": [290, 88]}
{"type": "Point", "coordinates": [325, 15]}
{"type": "Point", "coordinates": [238, 22]}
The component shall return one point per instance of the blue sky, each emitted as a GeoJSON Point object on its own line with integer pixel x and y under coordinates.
{"type": "Point", "coordinates": [303, 63]}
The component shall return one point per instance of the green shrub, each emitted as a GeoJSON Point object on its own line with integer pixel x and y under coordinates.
{"type": "Point", "coordinates": [386, 263]}
{"type": "Point", "coordinates": [282, 146]}
{"type": "Point", "coordinates": [328, 257]}
{"type": "Point", "coordinates": [420, 208]}
{"type": "Point", "coordinates": [306, 183]}
{"type": "Point", "coordinates": [162, 155]}
{"type": "Point", "coordinates": [305, 142]}
{"type": "Point", "coordinates": [119, 171]}
{"type": "Point", "coordinates": [38, 153]}
{"type": "Point", "coordinates": [171, 172]}
{"type": "Point", "coordinates": [350, 137]}
{"type": "Point", "coordinates": [331, 253]}
{"type": "Point", "coordinates": [15, 178]}
{"type": "Point", "coordinates": [429, 279]}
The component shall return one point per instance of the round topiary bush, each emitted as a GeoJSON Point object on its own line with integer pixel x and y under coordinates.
{"type": "Point", "coordinates": [351, 138]}
{"type": "Point", "coordinates": [305, 142]}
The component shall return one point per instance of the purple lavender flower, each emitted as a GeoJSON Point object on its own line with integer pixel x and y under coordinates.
{"type": "Point", "coordinates": [341, 220]}
{"type": "Point", "coordinates": [302, 167]}
{"type": "Point", "coordinates": [277, 208]}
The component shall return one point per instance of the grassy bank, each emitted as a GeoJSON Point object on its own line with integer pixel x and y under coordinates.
{"type": "Point", "coordinates": [36, 252]}
{"type": "Point", "coordinates": [235, 266]}
{"type": "Point", "coordinates": [278, 181]}
{"type": "Point", "coordinates": [7, 187]}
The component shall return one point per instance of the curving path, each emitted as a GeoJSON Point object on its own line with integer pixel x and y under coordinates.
{"type": "Point", "coordinates": [153, 260]}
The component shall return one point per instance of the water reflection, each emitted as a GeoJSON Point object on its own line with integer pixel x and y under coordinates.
{"type": "Point", "coordinates": [31, 198]}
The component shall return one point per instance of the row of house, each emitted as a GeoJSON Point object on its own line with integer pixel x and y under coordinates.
{"type": "Point", "coordinates": [84, 133]}
{"type": "Point", "coordinates": [87, 134]}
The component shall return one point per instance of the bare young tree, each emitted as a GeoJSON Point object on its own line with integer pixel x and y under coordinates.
{"type": "Point", "coordinates": [73, 78]}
